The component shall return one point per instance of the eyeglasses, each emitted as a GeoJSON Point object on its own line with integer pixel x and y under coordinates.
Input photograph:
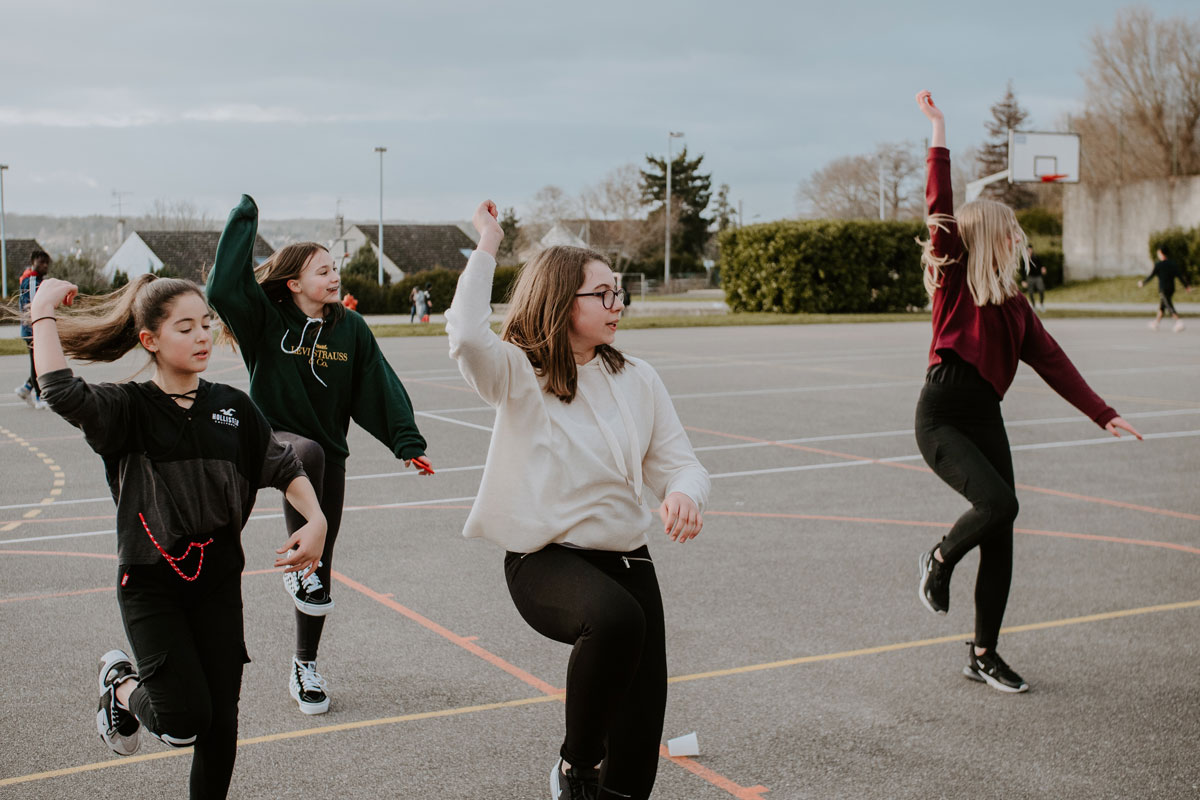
{"type": "Point", "coordinates": [608, 297]}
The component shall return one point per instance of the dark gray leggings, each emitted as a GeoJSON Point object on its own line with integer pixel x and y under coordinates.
{"type": "Point", "coordinates": [607, 606]}
{"type": "Point", "coordinates": [329, 481]}
{"type": "Point", "coordinates": [961, 436]}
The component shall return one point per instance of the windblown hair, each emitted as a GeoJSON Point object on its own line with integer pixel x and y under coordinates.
{"type": "Point", "coordinates": [539, 317]}
{"type": "Point", "coordinates": [995, 247]}
{"type": "Point", "coordinates": [106, 327]}
{"type": "Point", "coordinates": [284, 265]}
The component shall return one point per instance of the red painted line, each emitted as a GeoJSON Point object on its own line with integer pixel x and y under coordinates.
{"type": "Point", "coordinates": [109, 556]}
{"type": "Point", "coordinates": [715, 778]}
{"type": "Point", "coordinates": [58, 594]}
{"type": "Point", "coordinates": [899, 465]}
{"type": "Point", "coordinates": [461, 641]}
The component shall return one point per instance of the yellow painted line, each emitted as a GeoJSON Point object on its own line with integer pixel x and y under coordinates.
{"type": "Point", "coordinates": [888, 648]}
{"type": "Point", "coordinates": [32, 513]}
{"type": "Point", "coordinates": [59, 482]}
{"type": "Point", "coordinates": [10, 526]}
{"type": "Point", "coordinates": [53, 493]}
{"type": "Point", "coordinates": [276, 737]}
{"type": "Point", "coordinates": [40, 454]}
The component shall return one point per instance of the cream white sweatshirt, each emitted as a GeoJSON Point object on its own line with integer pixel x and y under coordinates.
{"type": "Point", "coordinates": [586, 473]}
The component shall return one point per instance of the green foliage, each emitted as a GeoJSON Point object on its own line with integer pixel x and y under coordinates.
{"type": "Point", "coordinates": [119, 279]}
{"type": "Point", "coordinates": [511, 225]}
{"type": "Point", "coordinates": [372, 298]}
{"type": "Point", "coordinates": [165, 272]}
{"type": "Point", "coordinates": [1052, 260]}
{"type": "Point", "coordinates": [503, 282]}
{"type": "Point", "coordinates": [1182, 245]}
{"type": "Point", "coordinates": [823, 266]}
{"type": "Point", "coordinates": [690, 193]}
{"type": "Point", "coordinates": [1040, 221]}
{"type": "Point", "coordinates": [364, 264]}
{"type": "Point", "coordinates": [82, 271]}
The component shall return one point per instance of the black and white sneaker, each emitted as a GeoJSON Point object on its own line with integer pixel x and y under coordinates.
{"type": "Point", "coordinates": [309, 594]}
{"type": "Point", "coordinates": [575, 783]}
{"type": "Point", "coordinates": [990, 668]}
{"type": "Point", "coordinates": [118, 727]}
{"type": "Point", "coordinates": [934, 589]}
{"type": "Point", "coordinates": [307, 687]}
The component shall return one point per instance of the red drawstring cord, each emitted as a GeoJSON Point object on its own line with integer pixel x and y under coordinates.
{"type": "Point", "coordinates": [172, 561]}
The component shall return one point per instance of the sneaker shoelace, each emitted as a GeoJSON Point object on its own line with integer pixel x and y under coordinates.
{"type": "Point", "coordinates": [310, 679]}
{"type": "Point", "coordinates": [312, 583]}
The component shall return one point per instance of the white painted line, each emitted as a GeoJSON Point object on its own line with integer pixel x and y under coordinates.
{"type": "Point", "coordinates": [61, 502]}
{"type": "Point", "coordinates": [797, 389]}
{"type": "Point", "coordinates": [57, 536]}
{"type": "Point", "coordinates": [412, 473]}
{"type": "Point", "coordinates": [453, 421]}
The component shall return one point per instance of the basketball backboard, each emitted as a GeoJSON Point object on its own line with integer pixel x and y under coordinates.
{"type": "Point", "coordinates": [1036, 157]}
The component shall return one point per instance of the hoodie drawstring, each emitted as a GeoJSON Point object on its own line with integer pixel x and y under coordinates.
{"type": "Point", "coordinates": [313, 351]}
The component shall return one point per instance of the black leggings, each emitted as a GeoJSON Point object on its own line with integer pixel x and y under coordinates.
{"type": "Point", "coordinates": [961, 435]}
{"type": "Point", "coordinates": [329, 481]}
{"type": "Point", "coordinates": [187, 638]}
{"type": "Point", "coordinates": [608, 607]}
{"type": "Point", "coordinates": [32, 367]}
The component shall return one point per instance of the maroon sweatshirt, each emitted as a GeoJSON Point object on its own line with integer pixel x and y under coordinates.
{"type": "Point", "coordinates": [993, 338]}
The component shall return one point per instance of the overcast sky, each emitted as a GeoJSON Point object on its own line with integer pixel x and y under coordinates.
{"type": "Point", "coordinates": [285, 100]}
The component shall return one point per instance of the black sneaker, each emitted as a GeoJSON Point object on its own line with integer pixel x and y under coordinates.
{"type": "Point", "coordinates": [118, 727]}
{"type": "Point", "coordinates": [577, 783]}
{"type": "Point", "coordinates": [990, 668]}
{"type": "Point", "coordinates": [307, 687]}
{"type": "Point", "coordinates": [309, 594]}
{"type": "Point", "coordinates": [934, 589]}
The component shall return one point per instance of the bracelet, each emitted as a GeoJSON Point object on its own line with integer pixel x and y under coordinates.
{"type": "Point", "coordinates": [39, 319]}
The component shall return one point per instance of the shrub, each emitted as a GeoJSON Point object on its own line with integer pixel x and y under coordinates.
{"type": "Point", "coordinates": [1182, 245]}
{"type": "Point", "coordinates": [1040, 221]}
{"type": "Point", "coordinates": [823, 267]}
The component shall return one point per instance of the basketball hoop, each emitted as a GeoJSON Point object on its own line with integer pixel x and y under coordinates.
{"type": "Point", "coordinates": [1053, 178]}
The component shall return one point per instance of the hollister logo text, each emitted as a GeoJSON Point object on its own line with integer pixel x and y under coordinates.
{"type": "Point", "coordinates": [226, 417]}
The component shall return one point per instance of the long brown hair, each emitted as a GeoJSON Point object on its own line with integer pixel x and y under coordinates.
{"type": "Point", "coordinates": [106, 327]}
{"type": "Point", "coordinates": [539, 317]}
{"type": "Point", "coordinates": [286, 264]}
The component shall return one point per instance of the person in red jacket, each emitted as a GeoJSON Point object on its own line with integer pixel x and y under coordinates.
{"type": "Point", "coordinates": [982, 327]}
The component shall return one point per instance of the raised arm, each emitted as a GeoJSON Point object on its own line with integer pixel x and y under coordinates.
{"type": "Point", "coordinates": [231, 287]}
{"type": "Point", "coordinates": [486, 362]}
{"type": "Point", "coordinates": [939, 195]}
{"type": "Point", "coordinates": [925, 103]}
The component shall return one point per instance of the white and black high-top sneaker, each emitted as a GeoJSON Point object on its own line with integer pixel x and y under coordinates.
{"type": "Point", "coordinates": [934, 589]}
{"type": "Point", "coordinates": [307, 687]}
{"type": "Point", "coordinates": [574, 783]}
{"type": "Point", "coordinates": [117, 726]}
{"type": "Point", "coordinates": [309, 594]}
{"type": "Point", "coordinates": [990, 668]}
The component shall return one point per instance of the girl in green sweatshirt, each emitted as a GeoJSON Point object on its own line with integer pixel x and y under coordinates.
{"type": "Point", "coordinates": [313, 366]}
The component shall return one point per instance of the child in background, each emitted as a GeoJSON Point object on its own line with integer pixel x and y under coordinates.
{"type": "Point", "coordinates": [1166, 271]}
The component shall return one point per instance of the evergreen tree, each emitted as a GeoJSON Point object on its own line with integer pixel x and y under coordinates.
{"type": "Point", "coordinates": [724, 214]}
{"type": "Point", "coordinates": [511, 225]}
{"type": "Point", "coordinates": [1007, 114]}
{"type": "Point", "coordinates": [690, 193]}
{"type": "Point", "coordinates": [364, 264]}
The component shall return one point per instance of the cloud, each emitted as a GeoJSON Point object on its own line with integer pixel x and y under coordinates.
{"type": "Point", "coordinates": [237, 113]}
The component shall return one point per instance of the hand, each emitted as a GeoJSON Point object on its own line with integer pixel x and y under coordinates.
{"type": "Point", "coordinates": [925, 103]}
{"type": "Point", "coordinates": [421, 463]}
{"type": "Point", "coordinates": [487, 224]}
{"type": "Point", "coordinates": [304, 548]}
{"type": "Point", "coordinates": [680, 516]}
{"type": "Point", "coordinates": [1024, 284]}
{"type": "Point", "coordinates": [1140, 284]}
{"type": "Point", "coordinates": [51, 293]}
{"type": "Point", "coordinates": [1117, 422]}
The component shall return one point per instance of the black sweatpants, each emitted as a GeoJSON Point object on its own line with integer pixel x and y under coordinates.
{"type": "Point", "coordinates": [32, 367]}
{"type": "Point", "coordinates": [1166, 305]}
{"type": "Point", "coordinates": [608, 607]}
{"type": "Point", "coordinates": [329, 481]}
{"type": "Point", "coordinates": [187, 639]}
{"type": "Point", "coordinates": [961, 435]}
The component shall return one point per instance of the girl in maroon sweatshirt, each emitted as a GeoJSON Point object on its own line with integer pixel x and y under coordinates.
{"type": "Point", "coordinates": [982, 326]}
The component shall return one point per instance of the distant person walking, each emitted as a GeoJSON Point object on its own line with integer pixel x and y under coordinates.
{"type": "Point", "coordinates": [31, 279]}
{"type": "Point", "coordinates": [422, 303]}
{"type": "Point", "coordinates": [982, 328]}
{"type": "Point", "coordinates": [1166, 271]}
{"type": "Point", "coordinates": [1034, 279]}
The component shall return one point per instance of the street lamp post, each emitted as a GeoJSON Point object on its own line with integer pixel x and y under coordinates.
{"type": "Point", "coordinates": [667, 257]}
{"type": "Point", "coordinates": [381, 151]}
{"type": "Point", "coordinates": [3, 241]}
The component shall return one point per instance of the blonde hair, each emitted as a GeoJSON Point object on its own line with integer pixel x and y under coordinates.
{"type": "Point", "coordinates": [539, 317]}
{"type": "Point", "coordinates": [995, 247]}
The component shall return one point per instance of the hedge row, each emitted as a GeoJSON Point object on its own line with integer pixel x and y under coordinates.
{"type": "Point", "coordinates": [823, 267]}
{"type": "Point", "coordinates": [394, 298]}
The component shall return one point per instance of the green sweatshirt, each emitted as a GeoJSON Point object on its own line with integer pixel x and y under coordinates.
{"type": "Point", "coordinates": [308, 377]}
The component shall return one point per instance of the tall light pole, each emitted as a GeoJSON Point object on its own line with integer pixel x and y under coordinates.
{"type": "Point", "coordinates": [667, 258]}
{"type": "Point", "coordinates": [3, 241]}
{"type": "Point", "coordinates": [381, 151]}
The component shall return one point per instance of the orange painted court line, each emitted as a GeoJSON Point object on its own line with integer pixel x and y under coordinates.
{"type": "Point", "coordinates": [110, 556]}
{"type": "Point", "coordinates": [898, 465]}
{"type": "Point", "coordinates": [467, 643]}
{"type": "Point", "coordinates": [715, 778]}
{"type": "Point", "coordinates": [57, 594]}
{"type": "Point", "coordinates": [461, 641]}
{"type": "Point", "coordinates": [919, 524]}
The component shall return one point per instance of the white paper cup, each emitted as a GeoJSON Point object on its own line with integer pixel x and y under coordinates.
{"type": "Point", "coordinates": [684, 745]}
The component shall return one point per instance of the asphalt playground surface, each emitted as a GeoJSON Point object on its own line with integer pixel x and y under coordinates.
{"type": "Point", "coordinates": [798, 649]}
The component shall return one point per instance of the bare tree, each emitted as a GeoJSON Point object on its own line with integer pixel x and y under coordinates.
{"type": "Point", "coordinates": [176, 215]}
{"type": "Point", "coordinates": [620, 211]}
{"type": "Point", "coordinates": [848, 187]}
{"type": "Point", "coordinates": [550, 205]}
{"type": "Point", "coordinates": [1143, 99]}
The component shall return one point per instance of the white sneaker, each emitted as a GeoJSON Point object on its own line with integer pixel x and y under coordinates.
{"type": "Point", "coordinates": [309, 594]}
{"type": "Point", "coordinates": [307, 687]}
{"type": "Point", "coordinates": [1178, 326]}
{"type": "Point", "coordinates": [39, 404]}
{"type": "Point", "coordinates": [118, 727]}
{"type": "Point", "coordinates": [1152, 325]}
{"type": "Point", "coordinates": [25, 392]}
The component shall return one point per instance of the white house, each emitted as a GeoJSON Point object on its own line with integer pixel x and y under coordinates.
{"type": "Point", "coordinates": [407, 248]}
{"type": "Point", "coordinates": [185, 254]}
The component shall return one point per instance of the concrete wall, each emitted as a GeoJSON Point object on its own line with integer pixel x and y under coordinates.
{"type": "Point", "coordinates": [1106, 230]}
